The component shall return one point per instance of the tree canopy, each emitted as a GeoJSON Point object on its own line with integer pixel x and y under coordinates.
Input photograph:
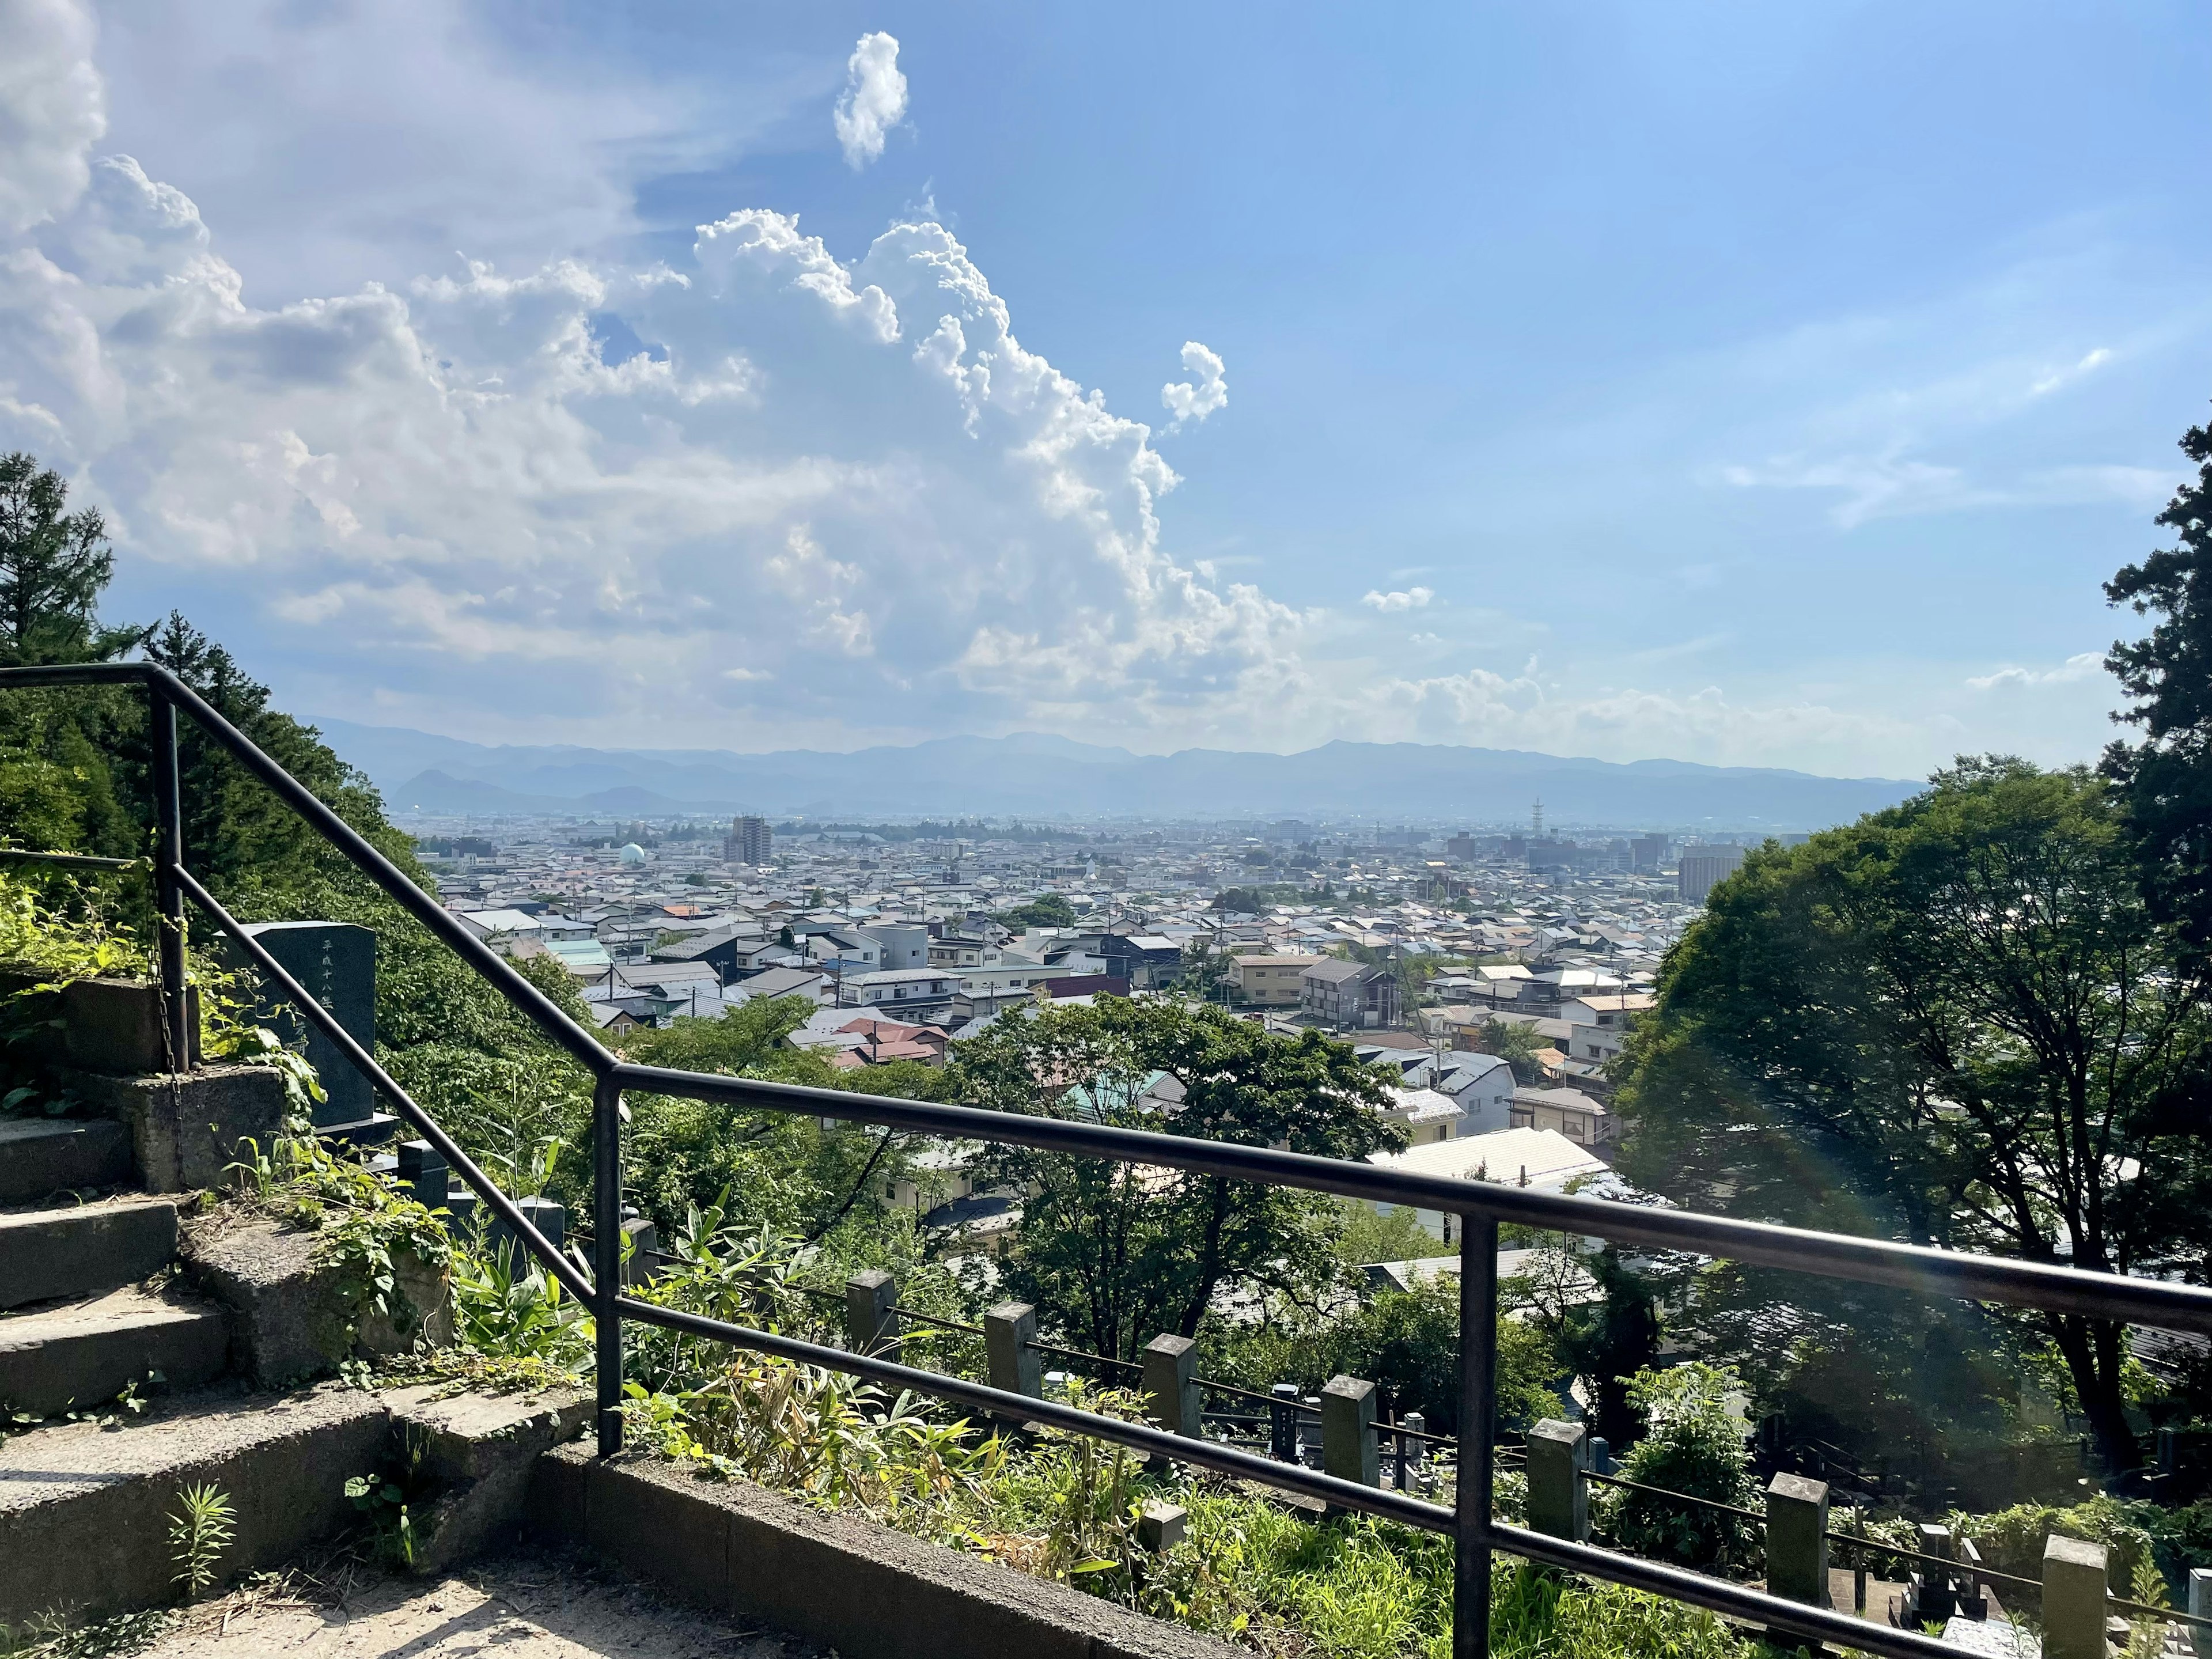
{"type": "Point", "coordinates": [1956, 1022]}
{"type": "Point", "coordinates": [1113, 1255]}
{"type": "Point", "coordinates": [2167, 775]}
{"type": "Point", "coordinates": [53, 567]}
{"type": "Point", "coordinates": [1047, 910]}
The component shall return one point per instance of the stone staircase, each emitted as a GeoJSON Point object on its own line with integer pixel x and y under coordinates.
{"type": "Point", "coordinates": [145, 1349]}
{"type": "Point", "coordinates": [85, 1312]}
{"type": "Point", "coordinates": [92, 1301]}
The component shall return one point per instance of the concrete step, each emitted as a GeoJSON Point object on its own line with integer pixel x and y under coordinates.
{"type": "Point", "coordinates": [84, 1528]}
{"type": "Point", "coordinates": [48, 1254]}
{"type": "Point", "coordinates": [82, 1354]}
{"type": "Point", "coordinates": [84, 1512]}
{"type": "Point", "coordinates": [42, 1156]}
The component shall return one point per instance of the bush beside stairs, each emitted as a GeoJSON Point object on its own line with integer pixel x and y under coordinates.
{"type": "Point", "coordinates": [143, 1354]}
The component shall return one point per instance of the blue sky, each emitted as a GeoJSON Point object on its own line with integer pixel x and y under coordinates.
{"type": "Point", "coordinates": [1738, 383]}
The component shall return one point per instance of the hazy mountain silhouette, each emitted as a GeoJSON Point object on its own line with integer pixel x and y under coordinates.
{"type": "Point", "coordinates": [1036, 774]}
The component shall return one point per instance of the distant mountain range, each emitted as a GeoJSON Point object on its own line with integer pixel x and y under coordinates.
{"type": "Point", "coordinates": [1033, 774]}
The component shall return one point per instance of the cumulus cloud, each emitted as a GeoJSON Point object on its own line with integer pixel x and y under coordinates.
{"type": "Point", "coordinates": [1411, 599]}
{"type": "Point", "coordinates": [2083, 665]}
{"type": "Point", "coordinates": [857, 475]}
{"type": "Point", "coordinates": [52, 108]}
{"type": "Point", "coordinates": [763, 494]}
{"type": "Point", "coordinates": [873, 102]}
{"type": "Point", "coordinates": [1196, 398]}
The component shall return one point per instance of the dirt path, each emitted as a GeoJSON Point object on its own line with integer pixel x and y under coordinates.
{"type": "Point", "coordinates": [520, 1606]}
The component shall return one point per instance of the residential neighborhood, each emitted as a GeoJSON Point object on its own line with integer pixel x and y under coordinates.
{"type": "Point", "coordinates": [1437, 953]}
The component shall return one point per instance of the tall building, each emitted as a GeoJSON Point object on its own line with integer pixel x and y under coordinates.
{"type": "Point", "coordinates": [1702, 869]}
{"type": "Point", "coordinates": [749, 842]}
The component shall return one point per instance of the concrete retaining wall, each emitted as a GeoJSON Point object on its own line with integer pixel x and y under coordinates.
{"type": "Point", "coordinates": [836, 1580]}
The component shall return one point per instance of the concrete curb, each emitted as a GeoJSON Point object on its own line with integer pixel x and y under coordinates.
{"type": "Point", "coordinates": [836, 1580]}
{"type": "Point", "coordinates": [185, 1130]}
{"type": "Point", "coordinates": [485, 1447]}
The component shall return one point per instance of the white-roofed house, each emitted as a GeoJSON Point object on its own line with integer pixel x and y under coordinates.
{"type": "Point", "coordinates": [1540, 1158]}
{"type": "Point", "coordinates": [1428, 1114]}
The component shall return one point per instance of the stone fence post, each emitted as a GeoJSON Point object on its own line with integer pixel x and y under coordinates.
{"type": "Point", "coordinates": [1559, 1487]}
{"type": "Point", "coordinates": [1170, 1378]}
{"type": "Point", "coordinates": [872, 1321]}
{"type": "Point", "coordinates": [1348, 1448]}
{"type": "Point", "coordinates": [643, 1264]}
{"type": "Point", "coordinates": [422, 1174]}
{"type": "Point", "coordinates": [2073, 1599]}
{"type": "Point", "coordinates": [1161, 1526]}
{"type": "Point", "coordinates": [1798, 1539]}
{"type": "Point", "coordinates": [1009, 1333]}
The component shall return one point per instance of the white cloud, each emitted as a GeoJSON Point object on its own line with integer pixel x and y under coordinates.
{"type": "Point", "coordinates": [424, 491]}
{"type": "Point", "coordinates": [1888, 486]}
{"type": "Point", "coordinates": [2088, 365]}
{"type": "Point", "coordinates": [873, 102]}
{"type": "Point", "coordinates": [52, 108]}
{"type": "Point", "coordinates": [1195, 399]}
{"type": "Point", "coordinates": [1412, 598]}
{"type": "Point", "coordinates": [838, 499]}
{"type": "Point", "coordinates": [334, 142]}
{"type": "Point", "coordinates": [2083, 665]}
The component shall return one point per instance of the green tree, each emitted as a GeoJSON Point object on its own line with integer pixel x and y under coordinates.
{"type": "Point", "coordinates": [1405, 1341]}
{"type": "Point", "coordinates": [1955, 1023]}
{"type": "Point", "coordinates": [789, 1171]}
{"type": "Point", "coordinates": [1516, 1044]}
{"type": "Point", "coordinates": [1204, 968]}
{"type": "Point", "coordinates": [53, 567]}
{"type": "Point", "coordinates": [1045, 910]}
{"type": "Point", "coordinates": [2167, 775]}
{"type": "Point", "coordinates": [1601, 1316]}
{"type": "Point", "coordinates": [57, 790]}
{"type": "Point", "coordinates": [1115, 1254]}
{"type": "Point", "coordinates": [237, 834]}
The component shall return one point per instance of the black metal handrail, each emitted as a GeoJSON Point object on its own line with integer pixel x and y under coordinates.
{"type": "Point", "coordinates": [1479, 1205]}
{"type": "Point", "coordinates": [62, 860]}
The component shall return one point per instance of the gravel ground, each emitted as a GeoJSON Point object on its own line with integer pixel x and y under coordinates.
{"type": "Point", "coordinates": [526, 1606]}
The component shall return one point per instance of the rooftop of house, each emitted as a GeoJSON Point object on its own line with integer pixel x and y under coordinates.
{"type": "Point", "coordinates": [1570, 1100]}
{"type": "Point", "coordinates": [1330, 971]}
{"type": "Point", "coordinates": [1532, 1157]}
{"type": "Point", "coordinates": [1424, 1106]}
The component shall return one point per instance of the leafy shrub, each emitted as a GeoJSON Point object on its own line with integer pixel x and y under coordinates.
{"type": "Point", "coordinates": [507, 1308]}
{"type": "Point", "coordinates": [1692, 1445]}
{"type": "Point", "coordinates": [820, 1435]}
{"type": "Point", "coordinates": [2012, 1540]}
{"type": "Point", "coordinates": [1535, 1615]}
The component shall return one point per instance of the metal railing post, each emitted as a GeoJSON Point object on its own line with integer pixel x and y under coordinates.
{"type": "Point", "coordinates": [606, 1248]}
{"type": "Point", "coordinates": [169, 893]}
{"type": "Point", "coordinates": [1478, 1368]}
